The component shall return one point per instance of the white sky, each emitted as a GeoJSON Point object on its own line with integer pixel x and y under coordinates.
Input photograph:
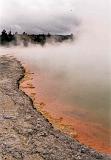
{"type": "Point", "coordinates": [37, 15]}
{"type": "Point", "coordinates": [55, 16]}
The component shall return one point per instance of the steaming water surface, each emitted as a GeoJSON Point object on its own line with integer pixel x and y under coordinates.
{"type": "Point", "coordinates": [72, 84]}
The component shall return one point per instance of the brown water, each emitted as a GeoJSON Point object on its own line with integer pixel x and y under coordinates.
{"type": "Point", "coordinates": [77, 122]}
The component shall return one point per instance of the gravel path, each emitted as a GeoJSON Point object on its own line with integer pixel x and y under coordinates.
{"type": "Point", "coordinates": [24, 133]}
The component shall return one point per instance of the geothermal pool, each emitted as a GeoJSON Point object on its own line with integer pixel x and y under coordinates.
{"type": "Point", "coordinates": [72, 81]}
{"type": "Point", "coordinates": [73, 88]}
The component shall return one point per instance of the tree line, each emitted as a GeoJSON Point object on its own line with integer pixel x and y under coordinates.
{"type": "Point", "coordinates": [25, 39]}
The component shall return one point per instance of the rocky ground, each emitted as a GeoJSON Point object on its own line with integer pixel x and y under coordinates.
{"type": "Point", "coordinates": [24, 133]}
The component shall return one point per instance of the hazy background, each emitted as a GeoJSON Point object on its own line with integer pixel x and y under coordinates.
{"type": "Point", "coordinates": [60, 16]}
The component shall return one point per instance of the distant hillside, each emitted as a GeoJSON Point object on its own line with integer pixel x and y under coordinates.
{"type": "Point", "coordinates": [25, 39]}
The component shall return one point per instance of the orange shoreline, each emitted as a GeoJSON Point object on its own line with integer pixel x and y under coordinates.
{"type": "Point", "coordinates": [72, 126]}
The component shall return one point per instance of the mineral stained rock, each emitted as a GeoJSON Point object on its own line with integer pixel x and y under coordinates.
{"type": "Point", "coordinates": [25, 134]}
